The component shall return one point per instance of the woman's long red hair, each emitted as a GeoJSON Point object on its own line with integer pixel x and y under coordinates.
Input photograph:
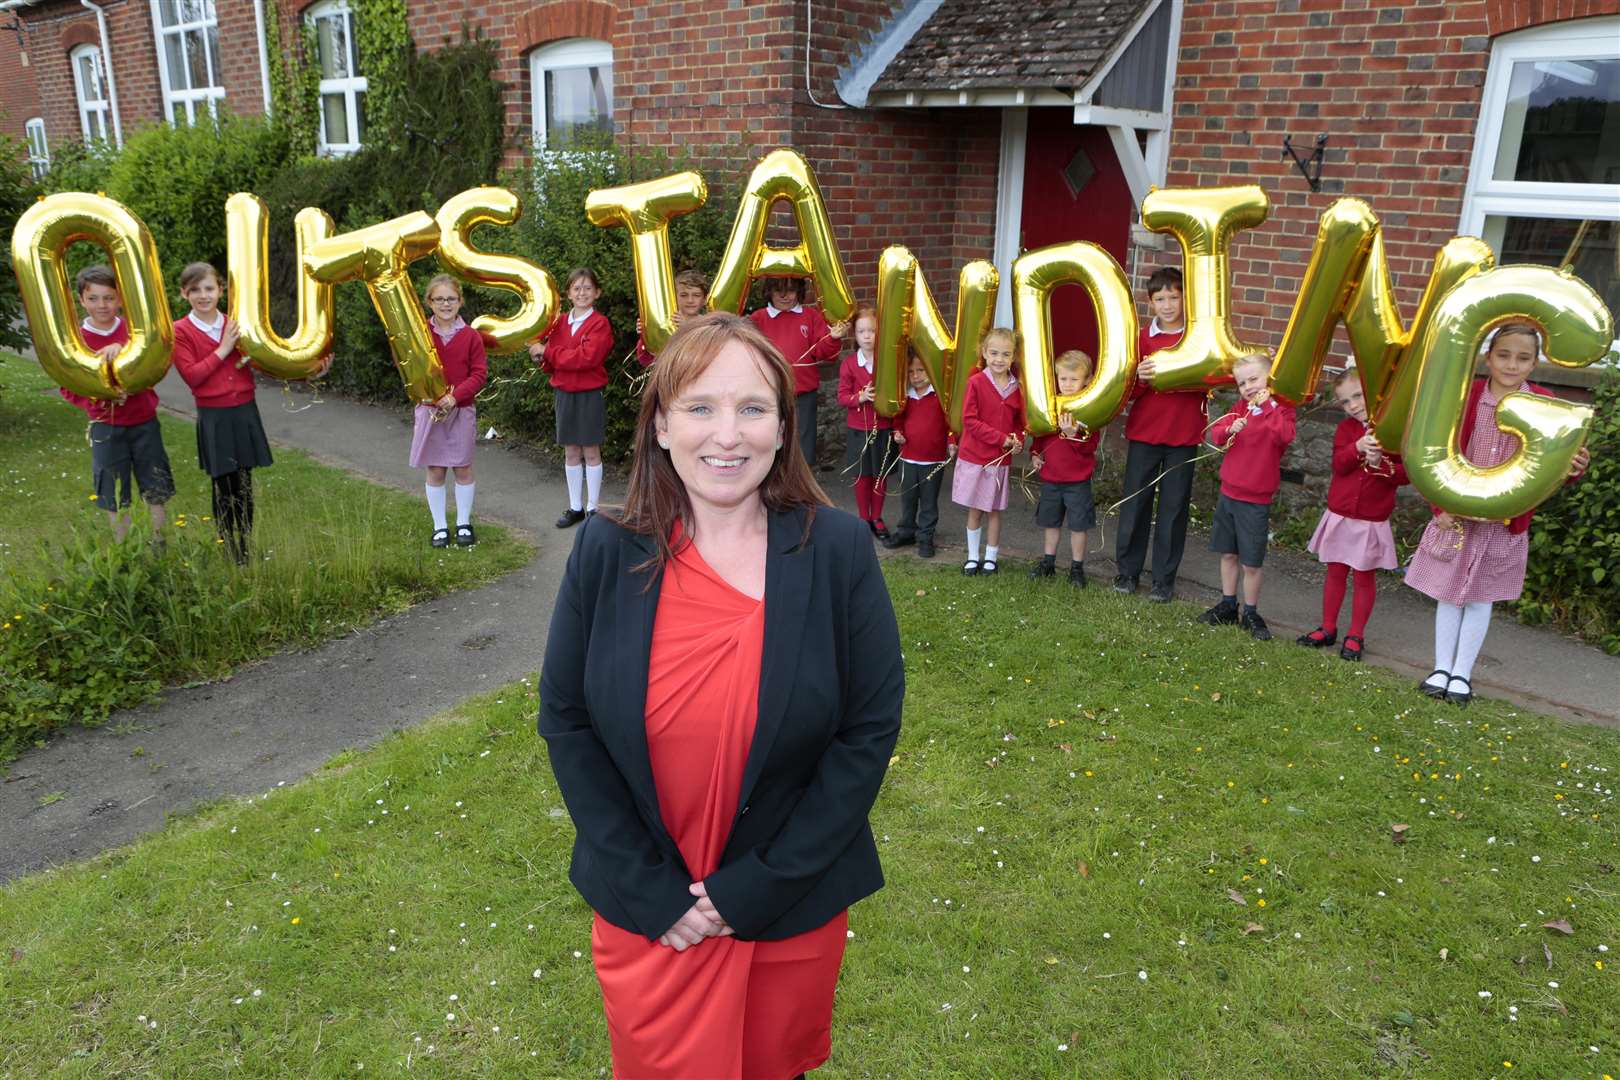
{"type": "Point", "coordinates": [657, 497]}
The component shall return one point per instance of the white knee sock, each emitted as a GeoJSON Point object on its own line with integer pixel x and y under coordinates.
{"type": "Point", "coordinates": [435, 497]}
{"type": "Point", "coordinates": [973, 544]}
{"type": "Point", "coordinates": [1476, 620]}
{"type": "Point", "coordinates": [464, 499]}
{"type": "Point", "coordinates": [593, 485]}
{"type": "Point", "coordinates": [1447, 624]}
{"type": "Point", "coordinates": [990, 553]}
{"type": "Point", "coordinates": [576, 486]}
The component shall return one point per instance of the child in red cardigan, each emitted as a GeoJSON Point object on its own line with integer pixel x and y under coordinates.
{"type": "Point", "coordinates": [230, 435]}
{"type": "Point", "coordinates": [1066, 461]}
{"type": "Point", "coordinates": [125, 438]}
{"type": "Point", "coordinates": [1464, 565]}
{"type": "Point", "coordinates": [691, 294]}
{"type": "Point", "coordinates": [802, 335]}
{"type": "Point", "coordinates": [992, 432]}
{"type": "Point", "coordinates": [923, 435]}
{"type": "Point", "coordinates": [574, 352]}
{"type": "Point", "coordinates": [446, 432]}
{"type": "Point", "coordinates": [868, 439]}
{"type": "Point", "coordinates": [1354, 534]}
{"type": "Point", "coordinates": [1254, 435]}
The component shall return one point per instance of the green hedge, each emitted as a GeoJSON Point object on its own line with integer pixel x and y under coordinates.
{"type": "Point", "coordinates": [17, 190]}
{"type": "Point", "coordinates": [1574, 574]}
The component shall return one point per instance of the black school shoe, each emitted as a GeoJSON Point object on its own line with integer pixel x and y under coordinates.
{"type": "Point", "coordinates": [1043, 569]}
{"type": "Point", "coordinates": [1256, 626]}
{"type": "Point", "coordinates": [440, 538]}
{"type": "Point", "coordinates": [570, 518]}
{"type": "Point", "coordinates": [899, 540]}
{"type": "Point", "coordinates": [1077, 575]}
{"type": "Point", "coordinates": [1318, 638]}
{"type": "Point", "coordinates": [971, 568]}
{"type": "Point", "coordinates": [1222, 614]}
{"type": "Point", "coordinates": [1459, 697]}
{"type": "Point", "coordinates": [1349, 652]}
{"type": "Point", "coordinates": [465, 537]}
{"type": "Point", "coordinates": [1161, 594]}
{"type": "Point", "coordinates": [925, 548]}
{"type": "Point", "coordinates": [1124, 586]}
{"type": "Point", "coordinates": [879, 530]}
{"type": "Point", "coordinates": [1430, 690]}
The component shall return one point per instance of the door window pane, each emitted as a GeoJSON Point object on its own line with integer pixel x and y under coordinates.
{"type": "Point", "coordinates": [1561, 123]}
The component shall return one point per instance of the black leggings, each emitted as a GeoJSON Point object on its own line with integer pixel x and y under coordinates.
{"type": "Point", "coordinates": [233, 511]}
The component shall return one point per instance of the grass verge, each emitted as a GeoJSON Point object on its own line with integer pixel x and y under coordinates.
{"type": "Point", "coordinates": [1117, 844]}
{"type": "Point", "coordinates": [88, 626]}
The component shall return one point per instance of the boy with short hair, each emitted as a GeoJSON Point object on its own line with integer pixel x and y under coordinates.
{"type": "Point", "coordinates": [801, 334]}
{"type": "Point", "coordinates": [124, 434]}
{"type": "Point", "coordinates": [1066, 461]}
{"type": "Point", "coordinates": [1162, 432]}
{"type": "Point", "coordinates": [1254, 436]}
{"type": "Point", "coordinates": [691, 294]}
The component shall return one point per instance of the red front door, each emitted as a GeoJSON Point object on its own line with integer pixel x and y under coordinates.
{"type": "Point", "coordinates": [1074, 189]}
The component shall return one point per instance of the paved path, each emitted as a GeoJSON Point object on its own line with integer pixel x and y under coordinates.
{"type": "Point", "coordinates": [278, 720]}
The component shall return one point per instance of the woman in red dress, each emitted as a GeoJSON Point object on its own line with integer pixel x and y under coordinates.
{"type": "Point", "coordinates": [720, 696]}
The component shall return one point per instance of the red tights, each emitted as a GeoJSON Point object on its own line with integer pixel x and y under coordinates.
{"type": "Point", "coordinates": [870, 492]}
{"type": "Point", "coordinates": [1360, 606]}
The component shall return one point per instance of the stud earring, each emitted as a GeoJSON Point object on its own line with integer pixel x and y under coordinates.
{"type": "Point", "coordinates": [664, 443]}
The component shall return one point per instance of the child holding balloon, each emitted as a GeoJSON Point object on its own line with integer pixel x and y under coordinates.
{"type": "Point", "coordinates": [691, 294]}
{"type": "Point", "coordinates": [1066, 461]}
{"type": "Point", "coordinates": [868, 433]}
{"type": "Point", "coordinates": [125, 437]}
{"type": "Point", "coordinates": [1254, 436]}
{"type": "Point", "coordinates": [1354, 534]}
{"type": "Point", "coordinates": [923, 434]}
{"type": "Point", "coordinates": [992, 432]}
{"type": "Point", "coordinates": [574, 352]}
{"type": "Point", "coordinates": [800, 332]}
{"type": "Point", "coordinates": [230, 435]}
{"type": "Point", "coordinates": [446, 431]}
{"type": "Point", "coordinates": [1464, 565]}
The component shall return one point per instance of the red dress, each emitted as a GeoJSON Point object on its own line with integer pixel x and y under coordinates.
{"type": "Point", "coordinates": [724, 1009]}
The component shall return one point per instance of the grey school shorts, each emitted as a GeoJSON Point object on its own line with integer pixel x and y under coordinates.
{"type": "Point", "coordinates": [1072, 501]}
{"type": "Point", "coordinates": [1240, 528]}
{"type": "Point", "coordinates": [117, 451]}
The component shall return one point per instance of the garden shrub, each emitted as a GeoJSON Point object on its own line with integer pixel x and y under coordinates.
{"type": "Point", "coordinates": [17, 190]}
{"type": "Point", "coordinates": [1574, 573]}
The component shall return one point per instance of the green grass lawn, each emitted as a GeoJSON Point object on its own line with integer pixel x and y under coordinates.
{"type": "Point", "coordinates": [87, 625]}
{"type": "Point", "coordinates": [1117, 844]}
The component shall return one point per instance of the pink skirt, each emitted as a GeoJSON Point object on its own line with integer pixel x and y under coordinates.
{"type": "Point", "coordinates": [980, 487]}
{"type": "Point", "coordinates": [446, 443]}
{"type": "Point", "coordinates": [1361, 545]}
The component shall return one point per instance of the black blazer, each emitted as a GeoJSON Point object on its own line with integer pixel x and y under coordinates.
{"type": "Point", "coordinates": [831, 686]}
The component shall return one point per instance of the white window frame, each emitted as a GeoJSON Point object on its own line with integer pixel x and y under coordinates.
{"type": "Point", "coordinates": [184, 103]}
{"type": "Point", "coordinates": [566, 55]}
{"type": "Point", "coordinates": [95, 112]}
{"type": "Point", "coordinates": [39, 149]}
{"type": "Point", "coordinates": [353, 88]}
{"type": "Point", "coordinates": [1582, 39]}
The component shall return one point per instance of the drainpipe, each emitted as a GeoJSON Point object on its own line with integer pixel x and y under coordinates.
{"type": "Point", "coordinates": [264, 56]}
{"type": "Point", "coordinates": [106, 61]}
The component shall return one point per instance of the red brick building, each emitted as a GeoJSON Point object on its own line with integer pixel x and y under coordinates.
{"type": "Point", "coordinates": [975, 128]}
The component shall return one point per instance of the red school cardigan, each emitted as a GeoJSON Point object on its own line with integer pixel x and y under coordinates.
{"type": "Point", "coordinates": [577, 361]}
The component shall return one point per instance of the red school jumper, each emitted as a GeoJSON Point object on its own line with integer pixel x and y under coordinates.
{"type": "Point", "coordinates": [987, 420]}
{"type": "Point", "coordinates": [216, 382]}
{"type": "Point", "coordinates": [801, 335]}
{"type": "Point", "coordinates": [137, 409]}
{"type": "Point", "coordinates": [1251, 470]}
{"type": "Point", "coordinates": [1164, 417]}
{"type": "Point", "coordinates": [862, 417]}
{"type": "Point", "coordinates": [1360, 492]}
{"type": "Point", "coordinates": [927, 433]}
{"type": "Point", "coordinates": [466, 366]}
{"type": "Point", "coordinates": [1066, 460]}
{"type": "Point", "coordinates": [577, 360]}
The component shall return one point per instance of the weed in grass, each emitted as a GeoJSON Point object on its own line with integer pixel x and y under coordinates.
{"type": "Point", "coordinates": [1080, 782]}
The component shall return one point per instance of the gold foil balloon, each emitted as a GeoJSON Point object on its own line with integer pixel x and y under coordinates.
{"type": "Point", "coordinates": [39, 245]}
{"type": "Point", "coordinates": [1344, 235]}
{"type": "Point", "coordinates": [908, 319]}
{"type": "Point", "coordinates": [646, 209]}
{"type": "Point", "coordinates": [1035, 274]}
{"type": "Point", "coordinates": [247, 259]}
{"type": "Point", "coordinates": [380, 255]}
{"type": "Point", "coordinates": [536, 291]}
{"type": "Point", "coordinates": [1385, 350]}
{"type": "Point", "coordinates": [1203, 220]}
{"type": "Point", "coordinates": [782, 175]}
{"type": "Point", "coordinates": [1576, 330]}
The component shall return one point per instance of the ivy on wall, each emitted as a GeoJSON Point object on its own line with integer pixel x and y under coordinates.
{"type": "Point", "coordinates": [384, 40]}
{"type": "Point", "coordinates": [294, 82]}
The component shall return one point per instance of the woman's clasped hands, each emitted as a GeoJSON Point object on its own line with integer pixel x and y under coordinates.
{"type": "Point", "coordinates": [700, 921]}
